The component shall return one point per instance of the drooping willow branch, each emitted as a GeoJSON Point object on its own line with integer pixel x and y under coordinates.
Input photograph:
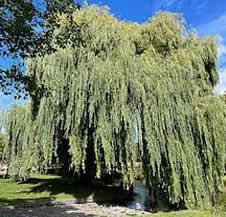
{"type": "Point", "coordinates": [113, 75]}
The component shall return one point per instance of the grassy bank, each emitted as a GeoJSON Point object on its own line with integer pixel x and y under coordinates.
{"type": "Point", "coordinates": [50, 187]}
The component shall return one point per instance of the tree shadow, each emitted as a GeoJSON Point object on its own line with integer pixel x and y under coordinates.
{"type": "Point", "coordinates": [81, 193]}
{"type": "Point", "coordinates": [61, 188]}
{"type": "Point", "coordinates": [66, 211]}
{"type": "Point", "coordinates": [23, 203]}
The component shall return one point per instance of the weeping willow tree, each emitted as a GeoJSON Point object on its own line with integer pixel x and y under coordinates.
{"type": "Point", "coordinates": [111, 77]}
{"type": "Point", "coordinates": [15, 122]}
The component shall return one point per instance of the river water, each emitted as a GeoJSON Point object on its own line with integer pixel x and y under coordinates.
{"type": "Point", "coordinates": [141, 198]}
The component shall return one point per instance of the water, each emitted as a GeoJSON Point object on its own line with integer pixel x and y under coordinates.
{"type": "Point", "coordinates": [141, 197]}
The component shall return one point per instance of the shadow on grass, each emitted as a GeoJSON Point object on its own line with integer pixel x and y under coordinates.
{"type": "Point", "coordinates": [24, 203]}
{"type": "Point", "coordinates": [60, 189]}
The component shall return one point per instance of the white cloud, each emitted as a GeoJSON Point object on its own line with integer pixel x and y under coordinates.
{"type": "Point", "coordinates": [215, 27]}
{"type": "Point", "coordinates": [167, 3]}
{"type": "Point", "coordinates": [196, 5]}
{"type": "Point", "coordinates": [202, 5]}
{"type": "Point", "coordinates": [221, 86]}
{"type": "Point", "coordinates": [164, 4]}
{"type": "Point", "coordinates": [222, 50]}
{"type": "Point", "coordinates": [221, 47]}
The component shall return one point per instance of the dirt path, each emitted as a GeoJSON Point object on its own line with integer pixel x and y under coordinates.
{"type": "Point", "coordinates": [70, 210]}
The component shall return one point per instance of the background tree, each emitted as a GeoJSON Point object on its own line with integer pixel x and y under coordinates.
{"type": "Point", "coordinates": [110, 75]}
{"type": "Point", "coordinates": [24, 27]}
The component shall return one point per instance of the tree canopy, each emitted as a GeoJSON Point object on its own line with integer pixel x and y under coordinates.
{"type": "Point", "coordinates": [111, 76]}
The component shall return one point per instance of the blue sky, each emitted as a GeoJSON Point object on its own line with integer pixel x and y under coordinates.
{"type": "Point", "coordinates": [207, 16]}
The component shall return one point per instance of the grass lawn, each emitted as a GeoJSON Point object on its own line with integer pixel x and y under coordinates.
{"type": "Point", "coordinates": [50, 187]}
{"type": "Point", "coordinates": [40, 187]}
{"type": "Point", "coordinates": [188, 213]}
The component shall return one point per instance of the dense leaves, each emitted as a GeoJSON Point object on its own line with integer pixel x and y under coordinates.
{"type": "Point", "coordinates": [2, 144]}
{"type": "Point", "coordinates": [111, 76]}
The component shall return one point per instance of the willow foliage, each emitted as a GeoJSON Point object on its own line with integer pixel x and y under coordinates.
{"type": "Point", "coordinates": [2, 144]}
{"type": "Point", "coordinates": [113, 75]}
{"type": "Point", "coordinates": [15, 122]}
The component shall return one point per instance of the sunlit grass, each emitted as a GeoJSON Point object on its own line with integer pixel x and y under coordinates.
{"type": "Point", "coordinates": [12, 192]}
{"type": "Point", "coordinates": [188, 213]}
